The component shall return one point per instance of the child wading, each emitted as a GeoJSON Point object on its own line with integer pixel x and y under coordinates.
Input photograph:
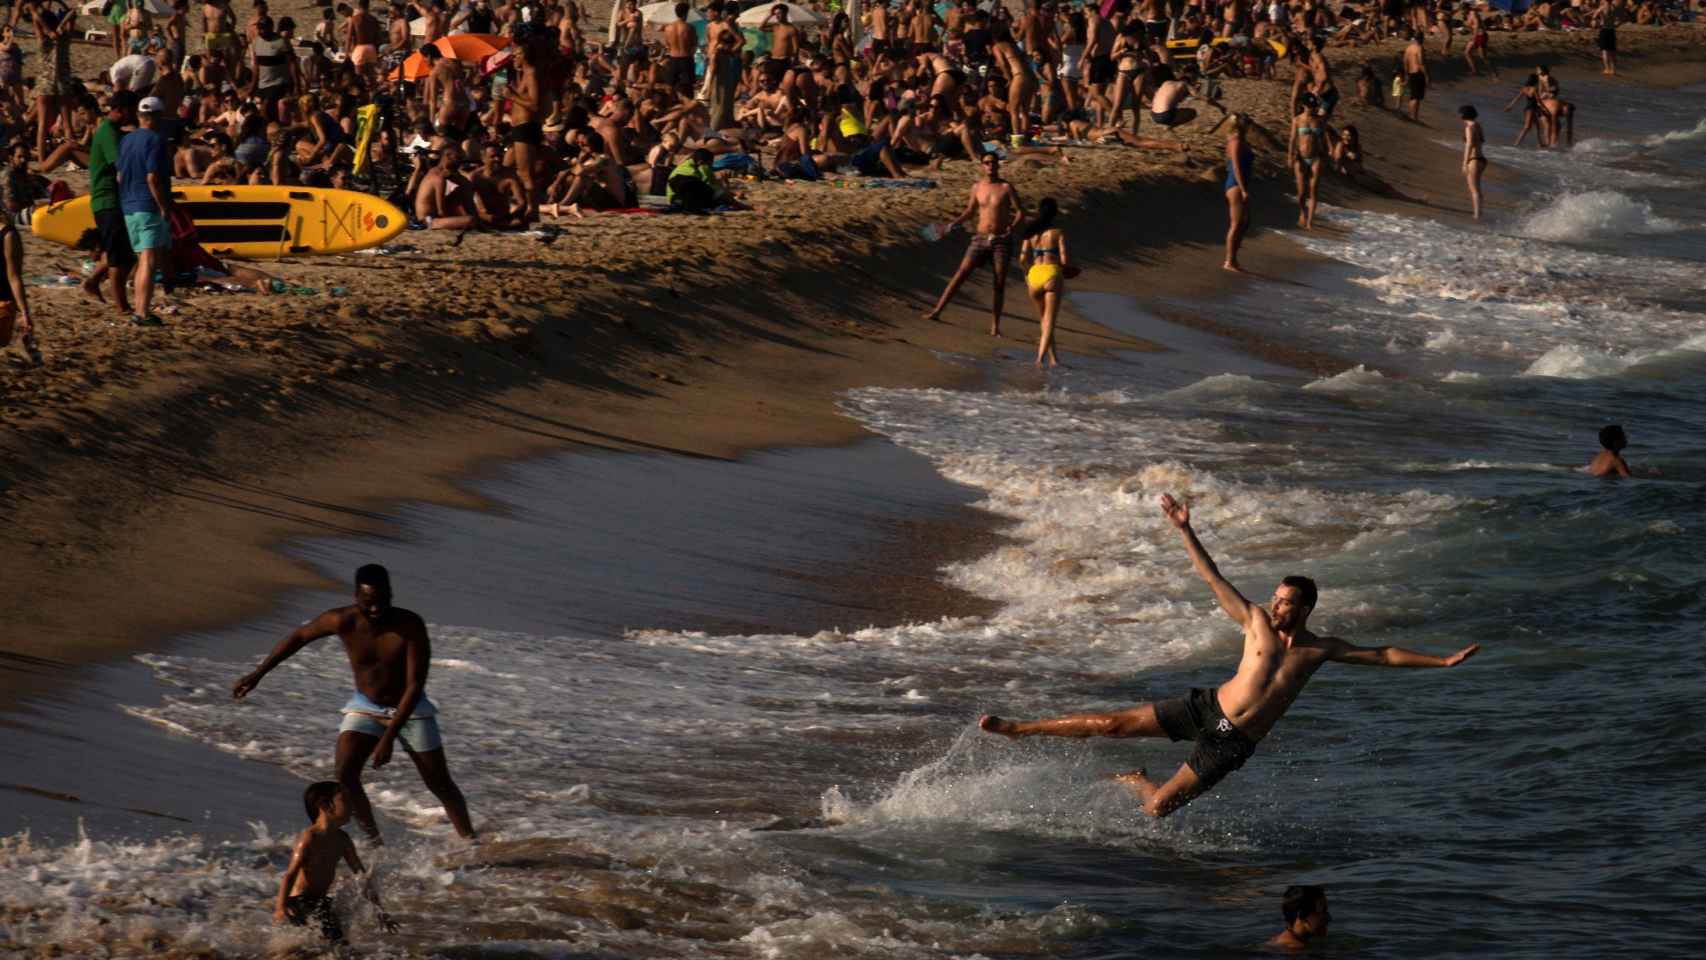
{"type": "Point", "coordinates": [304, 893]}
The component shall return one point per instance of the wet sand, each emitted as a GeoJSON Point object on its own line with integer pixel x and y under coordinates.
{"type": "Point", "coordinates": [149, 476]}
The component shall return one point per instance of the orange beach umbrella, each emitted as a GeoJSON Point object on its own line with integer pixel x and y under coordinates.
{"type": "Point", "coordinates": [466, 47]}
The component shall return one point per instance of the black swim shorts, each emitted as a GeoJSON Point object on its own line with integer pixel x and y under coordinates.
{"type": "Point", "coordinates": [1418, 83]}
{"type": "Point", "coordinates": [682, 74]}
{"type": "Point", "coordinates": [1221, 747]}
{"type": "Point", "coordinates": [115, 239]}
{"type": "Point", "coordinates": [532, 134]}
{"type": "Point", "coordinates": [1102, 70]}
{"type": "Point", "coordinates": [300, 910]}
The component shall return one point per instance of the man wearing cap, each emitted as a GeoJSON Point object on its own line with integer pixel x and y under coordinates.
{"type": "Point", "coordinates": [116, 255]}
{"type": "Point", "coordinates": [145, 197]}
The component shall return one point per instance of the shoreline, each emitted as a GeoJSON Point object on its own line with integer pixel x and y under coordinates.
{"type": "Point", "coordinates": [252, 445]}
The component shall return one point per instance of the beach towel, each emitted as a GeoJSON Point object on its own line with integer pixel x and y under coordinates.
{"type": "Point", "coordinates": [884, 183]}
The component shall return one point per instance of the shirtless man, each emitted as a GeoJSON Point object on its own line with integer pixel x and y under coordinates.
{"type": "Point", "coordinates": [882, 29]}
{"type": "Point", "coordinates": [498, 191]}
{"type": "Point", "coordinates": [1280, 655]}
{"type": "Point", "coordinates": [680, 40]}
{"type": "Point", "coordinates": [389, 653]}
{"type": "Point", "coordinates": [526, 129]}
{"type": "Point", "coordinates": [784, 43]}
{"type": "Point", "coordinates": [444, 200]}
{"type": "Point", "coordinates": [219, 28]}
{"type": "Point", "coordinates": [361, 39]}
{"type": "Point", "coordinates": [1416, 75]}
{"type": "Point", "coordinates": [995, 202]}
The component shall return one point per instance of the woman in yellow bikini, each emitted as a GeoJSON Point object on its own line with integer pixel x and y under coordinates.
{"type": "Point", "coordinates": [1045, 247]}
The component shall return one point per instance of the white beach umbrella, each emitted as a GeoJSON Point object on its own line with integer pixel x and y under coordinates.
{"type": "Point", "coordinates": [661, 14]}
{"type": "Point", "coordinates": [797, 15]}
{"type": "Point", "coordinates": [159, 8]}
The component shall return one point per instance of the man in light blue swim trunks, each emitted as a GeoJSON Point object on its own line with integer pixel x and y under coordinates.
{"type": "Point", "coordinates": [145, 198]}
{"type": "Point", "coordinates": [389, 653]}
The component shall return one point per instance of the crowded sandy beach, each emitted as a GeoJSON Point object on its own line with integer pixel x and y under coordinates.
{"type": "Point", "coordinates": [700, 235]}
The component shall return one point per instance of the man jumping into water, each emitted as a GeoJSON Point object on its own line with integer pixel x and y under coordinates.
{"type": "Point", "coordinates": [388, 652]}
{"type": "Point", "coordinates": [1280, 655]}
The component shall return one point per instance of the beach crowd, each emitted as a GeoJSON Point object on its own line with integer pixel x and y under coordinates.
{"type": "Point", "coordinates": [493, 116]}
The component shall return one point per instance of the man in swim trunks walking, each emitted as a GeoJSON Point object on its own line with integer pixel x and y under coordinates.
{"type": "Point", "coordinates": [388, 653]}
{"type": "Point", "coordinates": [1280, 655]}
{"type": "Point", "coordinates": [996, 204]}
{"type": "Point", "coordinates": [1416, 75]}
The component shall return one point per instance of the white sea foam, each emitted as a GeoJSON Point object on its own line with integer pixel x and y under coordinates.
{"type": "Point", "coordinates": [1591, 215]}
{"type": "Point", "coordinates": [1492, 295]}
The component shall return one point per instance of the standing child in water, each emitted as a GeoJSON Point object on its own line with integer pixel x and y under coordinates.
{"type": "Point", "coordinates": [303, 893]}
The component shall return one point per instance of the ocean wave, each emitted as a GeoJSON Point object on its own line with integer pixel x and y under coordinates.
{"type": "Point", "coordinates": [1697, 132]}
{"type": "Point", "coordinates": [1597, 213]}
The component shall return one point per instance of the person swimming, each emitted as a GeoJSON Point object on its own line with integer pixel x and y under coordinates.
{"type": "Point", "coordinates": [1609, 461]}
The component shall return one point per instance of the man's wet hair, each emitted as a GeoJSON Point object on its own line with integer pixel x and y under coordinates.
{"type": "Point", "coordinates": [318, 797]}
{"type": "Point", "coordinates": [375, 576]}
{"type": "Point", "coordinates": [1301, 900]}
{"type": "Point", "coordinates": [681, 11]}
{"type": "Point", "coordinates": [1305, 588]}
{"type": "Point", "coordinates": [1612, 437]}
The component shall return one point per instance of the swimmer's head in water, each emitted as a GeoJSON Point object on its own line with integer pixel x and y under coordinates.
{"type": "Point", "coordinates": [326, 795]}
{"type": "Point", "coordinates": [1294, 599]}
{"type": "Point", "coordinates": [373, 589]}
{"type": "Point", "coordinates": [1306, 904]}
{"type": "Point", "coordinates": [1612, 438]}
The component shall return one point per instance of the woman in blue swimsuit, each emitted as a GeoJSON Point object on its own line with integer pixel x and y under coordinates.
{"type": "Point", "coordinates": [1240, 162]}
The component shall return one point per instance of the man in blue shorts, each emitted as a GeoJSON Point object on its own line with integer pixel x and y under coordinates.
{"type": "Point", "coordinates": [388, 653]}
{"type": "Point", "coordinates": [145, 198]}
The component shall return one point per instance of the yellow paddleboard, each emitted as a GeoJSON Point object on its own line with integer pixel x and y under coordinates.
{"type": "Point", "coordinates": [1278, 47]}
{"type": "Point", "coordinates": [255, 223]}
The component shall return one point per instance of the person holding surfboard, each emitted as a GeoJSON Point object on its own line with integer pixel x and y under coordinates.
{"type": "Point", "coordinates": [1280, 655]}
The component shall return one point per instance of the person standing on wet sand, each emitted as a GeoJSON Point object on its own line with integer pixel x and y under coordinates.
{"type": "Point", "coordinates": [995, 202]}
{"type": "Point", "coordinates": [389, 654]}
{"type": "Point", "coordinates": [1606, 19]}
{"type": "Point", "coordinates": [1474, 156]}
{"type": "Point", "coordinates": [1415, 75]}
{"type": "Point", "coordinates": [1240, 163]}
{"type": "Point", "coordinates": [1280, 655]}
{"type": "Point", "coordinates": [1045, 248]}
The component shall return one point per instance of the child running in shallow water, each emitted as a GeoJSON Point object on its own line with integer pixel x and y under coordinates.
{"type": "Point", "coordinates": [304, 892]}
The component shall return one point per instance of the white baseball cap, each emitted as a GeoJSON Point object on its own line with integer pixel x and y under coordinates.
{"type": "Point", "coordinates": [151, 105]}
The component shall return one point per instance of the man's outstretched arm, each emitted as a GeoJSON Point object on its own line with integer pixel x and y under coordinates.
{"type": "Point", "coordinates": [1395, 656]}
{"type": "Point", "coordinates": [323, 625]}
{"type": "Point", "coordinates": [1230, 599]}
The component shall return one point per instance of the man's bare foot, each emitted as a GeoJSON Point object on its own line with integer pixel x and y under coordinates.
{"type": "Point", "coordinates": [934, 316]}
{"type": "Point", "coordinates": [990, 723]}
{"type": "Point", "coordinates": [994, 330]}
{"type": "Point", "coordinates": [1232, 267]}
{"type": "Point", "coordinates": [92, 289]}
{"type": "Point", "coordinates": [1138, 780]}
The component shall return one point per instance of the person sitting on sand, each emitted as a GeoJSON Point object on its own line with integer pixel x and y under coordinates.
{"type": "Point", "coordinates": [1280, 656]}
{"type": "Point", "coordinates": [1347, 151]}
{"type": "Point", "coordinates": [443, 198]}
{"type": "Point", "coordinates": [1609, 461]}
{"type": "Point", "coordinates": [304, 892]}
{"type": "Point", "coordinates": [592, 181]}
{"type": "Point", "coordinates": [1306, 917]}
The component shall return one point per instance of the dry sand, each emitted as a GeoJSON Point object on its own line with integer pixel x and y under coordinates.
{"type": "Point", "coordinates": [147, 474]}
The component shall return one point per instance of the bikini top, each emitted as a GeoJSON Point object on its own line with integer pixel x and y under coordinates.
{"type": "Point", "coordinates": [1309, 131]}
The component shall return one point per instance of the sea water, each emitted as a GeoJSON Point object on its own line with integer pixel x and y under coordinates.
{"type": "Point", "coordinates": [653, 792]}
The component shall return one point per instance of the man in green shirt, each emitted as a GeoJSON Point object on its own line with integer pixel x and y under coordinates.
{"type": "Point", "coordinates": [116, 256]}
